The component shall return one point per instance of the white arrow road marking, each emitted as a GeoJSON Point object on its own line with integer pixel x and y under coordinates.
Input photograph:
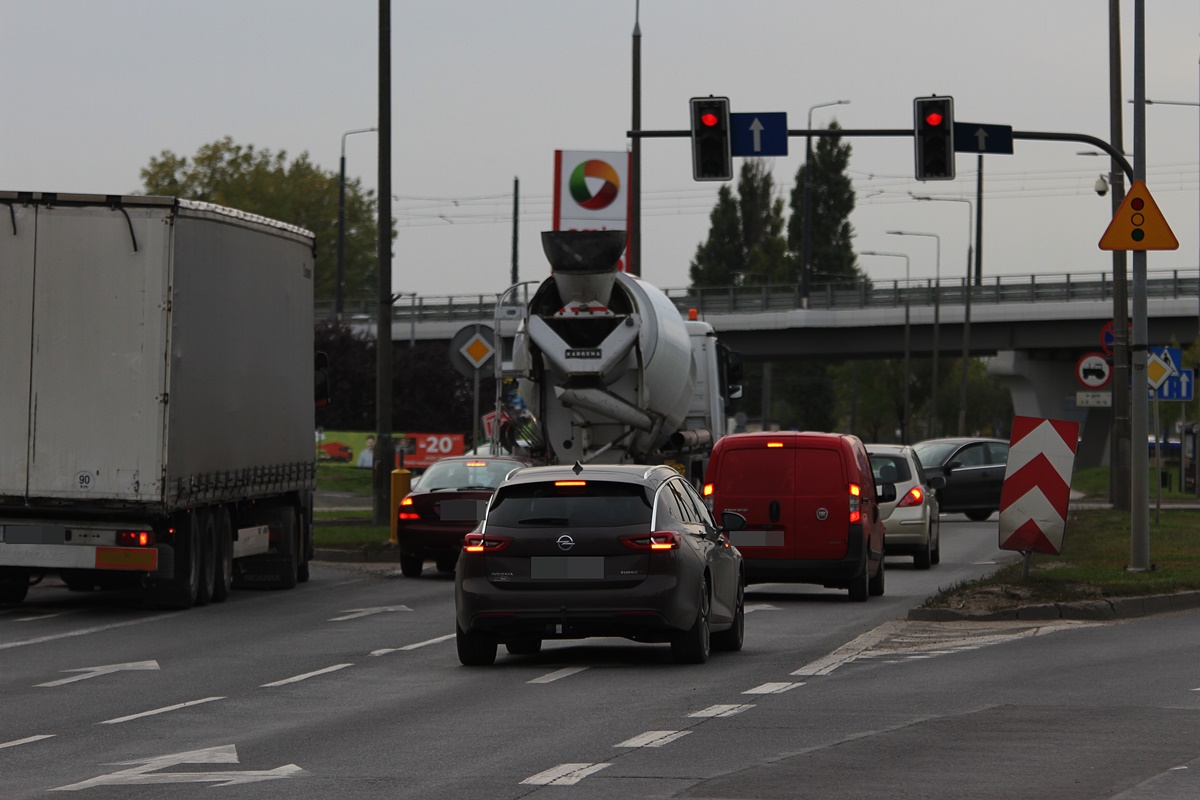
{"type": "Point", "coordinates": [653, 739]}
{"type": "Point", "coordinates": [163, 710]}
{"type": "Point", "coordinates": [722, 710]}
{"type": "Point", "coordinates": [26, 740]}
{"type": "Point", "coordinates": [772, 688]}
{"type": "Point", "coordinates": [426, 643]}
{"type": "Point", "coordinates": [564, 775]}
{"type": "Point", "coordinates": [305, 676]}
{"type": "Point", "coordinates": [355, 613]}
{"type": "Point", "coordinates": [93, 672]}
{"type": "Point", "coordinates": [757, 128]}
{"type": "Point", "coordinates": [145, 771]}
{"type": "Point", "coordinates": [761, 607]}
{"type": "Point", "coordinates": [551, 677]}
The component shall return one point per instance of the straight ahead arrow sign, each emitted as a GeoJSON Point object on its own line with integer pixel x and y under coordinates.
{"type": "Point", "coordinates": [94, 672]}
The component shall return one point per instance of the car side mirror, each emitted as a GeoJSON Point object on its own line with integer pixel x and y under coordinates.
{"type": "Point", "coordinates": [732, 521]}
{"type": "Point", "coordinates": [885, 493]}
{"type": "Point", "coordinates": [937, 482]}
{"type": "Point", "coordinates": [953, 465]}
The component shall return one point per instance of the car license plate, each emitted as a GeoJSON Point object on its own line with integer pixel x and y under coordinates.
{"type": "Point", "coordinates": [757, 538]}
{"type": "Point", "coordinates": [567, 568]}
{"type": "Point", "coordinates": [462, 510]}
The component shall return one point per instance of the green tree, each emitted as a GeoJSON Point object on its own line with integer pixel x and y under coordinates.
{"type": "Point", "coordinates": [297, 192]}
{"type": "Point", "coordinates": [746, 244]}
{"type": "Point", "coordinates": [831, 250]}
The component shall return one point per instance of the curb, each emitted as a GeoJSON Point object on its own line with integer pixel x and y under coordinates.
{"type": "Point", "coordinates": [376, 553]}
{"type": "Point", "coordinates": [1093, 610]}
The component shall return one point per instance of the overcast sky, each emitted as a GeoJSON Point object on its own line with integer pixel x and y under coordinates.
{"type": "Point", "coordinates": [487, 90]}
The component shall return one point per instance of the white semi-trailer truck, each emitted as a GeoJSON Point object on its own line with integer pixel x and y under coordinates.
{"type": "Point", "coordinates": [156, 397]}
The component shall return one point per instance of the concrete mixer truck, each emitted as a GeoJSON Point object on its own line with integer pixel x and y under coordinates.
{"type": "Point", "coordinates": [608, 369]}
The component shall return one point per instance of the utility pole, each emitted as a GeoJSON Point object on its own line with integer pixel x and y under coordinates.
{"type": "Point", "coordinates": [384, 450]}
{"type": "Point", "coordinates": [1119, 452]}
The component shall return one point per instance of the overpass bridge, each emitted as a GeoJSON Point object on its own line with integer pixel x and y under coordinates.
{"type": "Point", "coordinates": [1035, 326]}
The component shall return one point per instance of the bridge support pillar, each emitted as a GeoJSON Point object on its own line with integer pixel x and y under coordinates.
{"type": "Point", "coordinates": [1047, 389]}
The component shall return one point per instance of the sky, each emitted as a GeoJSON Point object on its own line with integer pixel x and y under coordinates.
{"type": "Point", "coordinates": [484, 92]}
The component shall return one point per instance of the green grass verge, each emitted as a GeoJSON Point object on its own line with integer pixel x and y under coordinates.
{"type": "Point", "coordinates": [344, 478]}
{"type": "Point", "coordinates": [350, 536]}
{"type": "Point", "coordinates": [1096, 550]}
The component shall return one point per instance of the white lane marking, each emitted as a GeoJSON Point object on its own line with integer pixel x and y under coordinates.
{"type": "Point", "coordinates": [163, 710]}
{"type": "Point", "coordinates": [550, 677]}
{"type": "Point", "coordinates": [725, 710]}
{"type": "Point", "coordinates": [145, 772]}
{"type": "Point", "coordinates": [305, 676]}
{"type": "Point", "coordinates": [847, 652]}
{"type": "Point", "coordinates": [761, 607]}
{"type": "Point", "coordinates": [26, 740]}
{"type": "Point", "coordinates": [426, 643]}
{"type": "Point", "coordinates": [653, 739]}
{"type": "Point", "coordinates": [355, 613]}
{"type": "Point", "coordinates": [772, 688]}
{"type": "Point", "coordinates": [45, 616]}
{"type": "Point", "coordinates": [564, 775]}
{"type": "Point", "coordinates": [81, 632]}
{"type": "Point", "coordinates": [93, 672]}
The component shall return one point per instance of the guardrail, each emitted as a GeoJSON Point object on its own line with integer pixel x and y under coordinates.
{"type": "Point", "coordinates": [1057, 288]}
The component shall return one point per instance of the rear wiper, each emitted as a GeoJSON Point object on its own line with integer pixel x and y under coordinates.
{"type": "Point", "coordinates": [543, 521]}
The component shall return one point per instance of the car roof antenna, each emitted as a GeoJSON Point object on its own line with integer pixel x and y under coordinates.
{"type": "Point", "coordinates": [578, 468]}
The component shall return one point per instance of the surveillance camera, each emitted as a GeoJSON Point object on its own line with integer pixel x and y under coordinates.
{"type": "Point", "coordinates": [1101, 186]}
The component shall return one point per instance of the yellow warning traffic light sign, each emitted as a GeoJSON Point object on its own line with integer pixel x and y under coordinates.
{"type": "Point", "coordinates": [1138, 224]}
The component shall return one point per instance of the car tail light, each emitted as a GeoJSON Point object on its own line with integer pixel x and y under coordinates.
{"type": "Point", "coordinates": [658, 540]}
{"type": "Point", "coordinates": [484, 543]}
{"type": "Point", "coordinates": [135, 538]}
{"type": "Point", "coordinates": [407, 515]}
{"type": "Point", "coordinates": [855, 506]}
{"type": "Point", "coordinates": [914, 498]}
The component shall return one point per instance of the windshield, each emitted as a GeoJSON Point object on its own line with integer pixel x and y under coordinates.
{"type": "Point", "coordinates": [932, 454]}
{"type": "Point", "coordinates": [583, 504]}
{"type": "Point", "coordinates": [480, 473]}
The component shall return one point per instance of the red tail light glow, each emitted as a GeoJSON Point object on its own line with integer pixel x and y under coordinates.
{"type": "Point", "coordinates": [570, 483]}
{"type": "Point", "coordinates": [914, 498]}
{"type": "Point", "coordinates": [658, 540]}
{"type": "Point", "coordinates": [135, 538]}
{"type": "Point", "coordinates": [406, 501]}
{"type": "Point", "coordinates": [709, 489]}
{"type": "Point", "coordinates": [774, 444]}
{"type": "Point", "coordinates": [476, 463]}
{"type": "Point", "coordinates": [483, 543]}
{"type": "Point", "coordinates": [855, 507]}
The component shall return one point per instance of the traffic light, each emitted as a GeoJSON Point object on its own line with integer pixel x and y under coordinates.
{"type": "Point", "coordinates": [933, 138]}
{"type": "Point", "coordinates": [711, 157]}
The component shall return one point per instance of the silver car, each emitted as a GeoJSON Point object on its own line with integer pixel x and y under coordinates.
{"type": "Point", "coordinates": [911, 525]}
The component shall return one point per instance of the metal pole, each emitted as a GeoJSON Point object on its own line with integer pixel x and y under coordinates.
{"type": "Point", "coordinates": [1139, 465]}
{"type": "Point", "coordinates": [384, 453]}
{"type": "Point", "coordinates": [516, 212]}
{"type": "Point", "coordinates": [1119, 452]}
{"type": "Point", "coordinates": [635, 156]}
{"type": "Point", "coordinates": [339, 290]}
{"type": "Point", "coordinates": [904, 423]}
{"type": "Point", "coordinates": [806, 227]}
{"type": "Point", "coordinates": [932, 425]}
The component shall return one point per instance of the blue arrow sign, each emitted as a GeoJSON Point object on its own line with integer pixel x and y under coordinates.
{"type": "Point", "coordinates": [754, 135]}
{"type": "Point", "coordinates": [974, 137]}
{"type": "Point", "coordinates": [1179, 387]}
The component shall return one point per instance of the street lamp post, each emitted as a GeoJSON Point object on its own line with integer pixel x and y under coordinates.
{"type": "Point", "coordinates": [806, 229]}
{"type": "Point", "coordinates": [907, 339]}
{"type": "Point", "coordinates": [339, 290]}
{"type": "Point", "coordinates": [937, 288]}
{"type": "Point", "coordinates": [966, 345]}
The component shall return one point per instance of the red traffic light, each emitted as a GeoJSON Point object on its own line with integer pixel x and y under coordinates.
{"type": "Point", "coordinates": [933, 118]}
{"type": "Point", "coordinates": [709, 119]}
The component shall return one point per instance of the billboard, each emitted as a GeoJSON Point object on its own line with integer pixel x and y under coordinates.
{"type": "Point", "coordinates": [591, 192]}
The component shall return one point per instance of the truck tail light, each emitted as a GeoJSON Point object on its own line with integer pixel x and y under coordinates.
{"type": "Point", "coordinates": [658, 540]}
{"type": "Point", "coordinates": [855, 504]}
{"type": "Point", "coordinates": [485, 543]}
{"type": "Point", "coordinates": [914, 498]}
{"type": "Point", "coordinates": [135, 538]}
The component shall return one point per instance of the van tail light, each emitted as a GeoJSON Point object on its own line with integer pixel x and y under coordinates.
{"type": "Point", "coordinates": [658, 540]}
{"type": "Point", "coordinates": [485, 543]}
{"type": "Point", "coordinates": [135, 538]}
{"type": "Point", "coordinates": [855, 506]}
{"type": "Point", "coordinates": [914, 498]}
{"type": "Point", "coordinates": [709, 488]}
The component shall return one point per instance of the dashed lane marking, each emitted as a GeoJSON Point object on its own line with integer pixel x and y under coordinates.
{"type": "Point", "coordinates": [26, 740]}
{"type": "Point", "coordinates": [723, 710]}
{"type": "Point", "coordinates": [653, 739]}
{"type": "Point", "coordinates": [564, 774]}
{"type": "Point", "coordinates": [550, 677]}
{"type": "Point", "coordinates": [163, 710]}
{"type": "Point", "coordinates": [772, 688]}
{"type": "Point", "coordinates": [305, 676]}
{"type": "Point", "coordinates": [384, 651]}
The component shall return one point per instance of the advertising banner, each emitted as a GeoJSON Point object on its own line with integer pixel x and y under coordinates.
{"type": "Point", "coordinates": [591, 192]}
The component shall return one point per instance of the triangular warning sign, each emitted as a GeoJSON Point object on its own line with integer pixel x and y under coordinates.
{"type": "Point", "coordinates": [1138, 224]}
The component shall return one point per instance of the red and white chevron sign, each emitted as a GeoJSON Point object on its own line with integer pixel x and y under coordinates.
{"type": "Point", "coordinates": [1037, 484]}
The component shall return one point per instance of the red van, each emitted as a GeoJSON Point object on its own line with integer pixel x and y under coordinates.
{"type": "Point", "coordinates": [811, 508]}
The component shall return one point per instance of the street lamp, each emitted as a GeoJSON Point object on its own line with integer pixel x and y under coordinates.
{"type": "Point", "coordinates": [341, 235]}
{"type": "Point", "coordinates": [907, 339]}
{"type": "Point", "coordinates": [966, 346]}
{"type": "Point", "coordinates": [937, 288]}
{"type": "Point", "coordinates": [806, 229]}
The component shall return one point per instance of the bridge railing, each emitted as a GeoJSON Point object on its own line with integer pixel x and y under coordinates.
{"type": "Point", "coordinates": [1033, 288]}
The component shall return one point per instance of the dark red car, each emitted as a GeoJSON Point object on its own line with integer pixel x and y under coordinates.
{"type": "Point", "coordinates": [447, 503]}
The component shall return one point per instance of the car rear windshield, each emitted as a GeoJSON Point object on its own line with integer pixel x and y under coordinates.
{"type": "Point", "coordinates": [481, 473]}
{"type": "Point", "coordinates": [579, 504]}
{"type": "Point", "coordinates": [932, 454]}
{"type": "Point", "coordinates": [890, 469]}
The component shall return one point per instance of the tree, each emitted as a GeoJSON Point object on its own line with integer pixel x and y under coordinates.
{"type": "Point", "coordinates": [299, 192]}
{"type": "Point", "coordinates": [831, 250]}
{"type": "Point", "coordinates": [745, 244]}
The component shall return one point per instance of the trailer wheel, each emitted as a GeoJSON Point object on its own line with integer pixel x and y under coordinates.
{"type": "Point", "coordinates": [14, 585]}
{"type": "Point", "coordinates": [306, 547]}
{"type": "Point", "coordinates": [223, 571]}
{"type": "Point", "coordinates": [206, 526]}
{"type": "Point", "coordinates": [288, 549]}
{"type": "Point", "coordinates": [181, 589]}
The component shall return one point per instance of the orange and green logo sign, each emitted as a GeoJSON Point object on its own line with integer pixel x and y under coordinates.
{"type": "Point", "coordinates": [607, 192]}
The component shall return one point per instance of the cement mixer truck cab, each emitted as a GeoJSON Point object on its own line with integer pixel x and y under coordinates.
{"type": "Point", "coordinates": [610, 370]}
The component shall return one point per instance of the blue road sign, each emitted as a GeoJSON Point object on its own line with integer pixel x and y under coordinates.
{"type": "Point", "coordinates": [974, 137]}
{"type": "Point", "coordinates": [1178, 387]}
{"type": "Point", "coordinates": [754, 135]}
{"type": "Point", "coordinates": [1171, 355]}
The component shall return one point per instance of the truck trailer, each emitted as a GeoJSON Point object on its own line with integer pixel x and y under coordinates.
{"type": "Point", "coordinates": [156, 397]}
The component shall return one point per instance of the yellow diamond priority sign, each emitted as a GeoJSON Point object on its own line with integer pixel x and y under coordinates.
{"type": "Point", "coordinates": [1138, 224]}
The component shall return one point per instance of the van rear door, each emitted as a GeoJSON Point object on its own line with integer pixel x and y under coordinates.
{"type": "Point", "coordinates": [756, 481]}
{"type": "Point", "coordinates": [820, 525]}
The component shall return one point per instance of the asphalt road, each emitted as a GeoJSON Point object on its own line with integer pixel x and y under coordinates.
{"type": "Point", "coordinates": [349, 687]}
